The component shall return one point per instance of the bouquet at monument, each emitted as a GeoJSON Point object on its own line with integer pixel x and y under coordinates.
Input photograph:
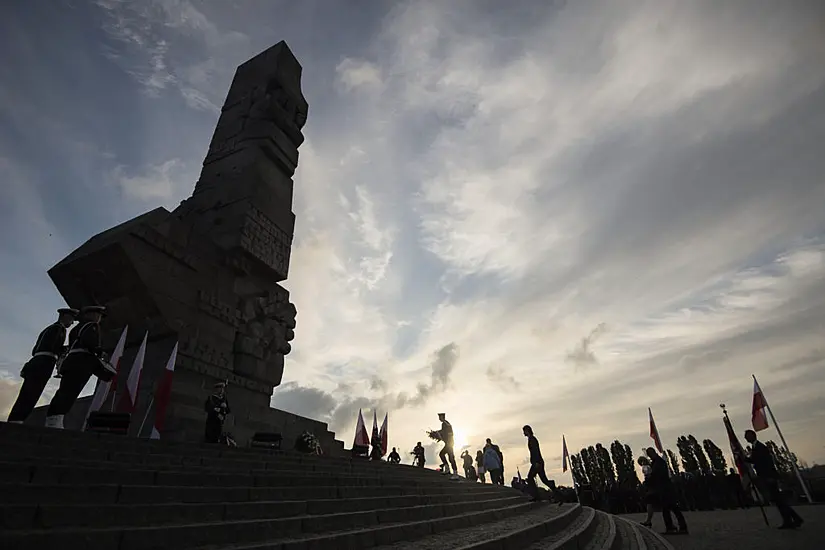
{"type": "Point", "coordinates": [308, 443]}
{"type": "Point", "coordinates": [435, 435]}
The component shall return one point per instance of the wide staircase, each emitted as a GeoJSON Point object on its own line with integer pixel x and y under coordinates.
{"type": "Point", "coordinates": [83, 491]}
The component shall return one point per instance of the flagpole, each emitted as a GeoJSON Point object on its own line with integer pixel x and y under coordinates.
{"type": "Point", "coordinates": [751, 484]}
{"type": "Point", "coordinates": [145, 416]}
{"type": "Point", "coordinates": [784, 444]}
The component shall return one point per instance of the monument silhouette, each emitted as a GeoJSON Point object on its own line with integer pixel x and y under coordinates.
{"type": "Point", "coordinates": [206, 274]}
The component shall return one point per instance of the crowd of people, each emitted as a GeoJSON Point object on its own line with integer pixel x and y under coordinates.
{"type": "Point", "coordinates": [489, 460]}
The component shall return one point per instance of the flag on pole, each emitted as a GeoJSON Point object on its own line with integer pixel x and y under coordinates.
{"type": "Point", "coordinates": [163, 393]}
{"type": "Point", "coordinates": [654, 432]}
{"type": "Point", "coordinates": [565, 456]}
{"type": "Point", "coordinates": [103, 388]}
{"type": "Point", "coordinates": [362, 438]}
{"type": "Point", "coordinates": [383, 436]}
{"type": "Point", "coordinates": [758, 417]}
{"type": "Point", "coordinates": [128, 402]}
{"type": "Point", "coordinates": [376, 438]}
{"type": "Point", "coordinates": [736, 448]}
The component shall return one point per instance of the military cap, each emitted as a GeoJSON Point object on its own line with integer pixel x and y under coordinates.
{"type": "Point", "coordinates": [68, 311]}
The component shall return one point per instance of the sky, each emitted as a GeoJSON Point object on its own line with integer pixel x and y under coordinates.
{"type": "Point", "coordinates": [537, 212]}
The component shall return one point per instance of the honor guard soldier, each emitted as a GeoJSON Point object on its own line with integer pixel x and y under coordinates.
{"type": "Point", "coordinates": [216, 407]}
{"type": "Point", "coordinates": [84, 358]}
{"type": "Point", "coordinates": [37, 370]}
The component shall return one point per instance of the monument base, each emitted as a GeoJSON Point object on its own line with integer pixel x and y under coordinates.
{"type": "Point", "coordinates": [270, 420]}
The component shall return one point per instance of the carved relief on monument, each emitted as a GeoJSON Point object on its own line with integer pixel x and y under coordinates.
{"type": "Point", "coordinates": [202, 350]}
{"type": "Point", "coordinates": [218, 373]}
{"type": "Point", "coordinates": [264, 240]}
{"type": "Point", "coordinates": [267, 323]}
{"type": "Point", "coordinates": [209, 303]}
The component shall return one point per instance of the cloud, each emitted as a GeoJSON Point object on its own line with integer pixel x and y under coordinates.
{"type": "Point", "coordinates": [359, 74]}
{"type": "Point", "coordinates": [501, 379]}
{"type": "Point", "coordinates": [162, 182]}
{"type": "Point", "coordinates": [173, 44]}
{"type": "Point", "coordinates": [582, 355]}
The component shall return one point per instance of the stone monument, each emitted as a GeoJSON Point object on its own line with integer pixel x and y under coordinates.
{"type": "Point", "coordinates": [206, 275]}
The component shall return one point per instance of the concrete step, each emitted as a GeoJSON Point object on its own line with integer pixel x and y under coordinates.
{"type": "Point", "coordinates": [508, 533]}
{"type": "Point", "coordinates": [61, 516]}
{"type": "Point", "coordinates": [295, 517]}
{"type": "Point", "coordinates": [21, 472]}
{"type": "Point", "coordinates": [653, 540]}
{"type": "Point", "coordinates": [37, 435]}
{"type": "Point", "coordinates": [355, 530]}
{"type": "Point", "coordinates": [36, 493]}
{"type": "Point", "coordinates": [159, 466]}
{"type": "Point", "coordinates": [160, 456]}
{"type": "Point", "coordinates": [628, 536]}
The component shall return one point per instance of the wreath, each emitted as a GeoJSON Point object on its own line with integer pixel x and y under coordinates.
{"type": "Point", "coordinates": [435, 435]}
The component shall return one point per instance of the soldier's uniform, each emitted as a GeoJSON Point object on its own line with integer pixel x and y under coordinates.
{"type": "Point", "coordinates": [83, 359]}
{"type": "Point", "coordinates": [216, 407]}
{"type": "Point", "coordinates": [37, 370]}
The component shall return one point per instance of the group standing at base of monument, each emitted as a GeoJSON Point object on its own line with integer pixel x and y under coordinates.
{"type": "Point", "coordinates": [76, 363]}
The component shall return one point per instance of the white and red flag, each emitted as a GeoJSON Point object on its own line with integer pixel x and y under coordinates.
{"type": "Point", "coordinates": [362, 438]}
{"type": "Point", "coordinates": [129, 400]}
{"type": "Point", "coordinates": [759, 418]}
{"type": "Point", "coordinates": [654, 432]}
{"type": "Point", "coordinates": [375, 439]}
{"type": "Point", "coordinates": [104, 388]}
{"type": "Point", "coordinates": [383, 436]}
{"type": "Point", "coordinates": [163, 393]}
{"type": "Point", "coordinates": [565, 456]}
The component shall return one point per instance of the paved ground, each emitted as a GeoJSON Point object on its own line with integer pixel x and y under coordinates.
{"type": "Point", "coordinates": [746, 530]}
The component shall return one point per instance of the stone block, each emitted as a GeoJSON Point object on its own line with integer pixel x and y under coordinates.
{"type": "Point", "coordinates": [15, 472]}
{"type": "Point", "coordinates": [18, 516]}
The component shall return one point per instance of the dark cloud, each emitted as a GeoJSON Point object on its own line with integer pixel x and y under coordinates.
{"type": "Point", "coordinates": [378, 384]}
{"type": "Point", "coordinates": [342, 409]}
{"type": "Point", "coordinates": [304, 401]}
{"type": "Point", "coordinates": [582, 355]}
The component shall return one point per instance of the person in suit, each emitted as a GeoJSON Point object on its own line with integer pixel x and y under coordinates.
{"type": "Point", "coordinates": [659, 480]}
{"type": "Point", "coordinates": [767, 479]}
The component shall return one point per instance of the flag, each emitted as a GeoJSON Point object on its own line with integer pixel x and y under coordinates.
{"type": "Point", "coordinates": [735, 447]}
{"type": "Point", "coordinates": [383, 436]}
{"type": "Point", "coordinates": [104, 388]}
{"type": "Point", "coordinates": [128, 402]}
{"type": "Point", "coordinates": [362, 438]}
{"type": "Point", "coordinates": [758, 417]}
{"type": "Point", "coordinates": [163, 393]}
{"type": "Point", "coordinates": [654, 433]}
{"type": "Point", "coordinates": [375, 440]}
{"type": "Point", "coordinates": [565, 456]}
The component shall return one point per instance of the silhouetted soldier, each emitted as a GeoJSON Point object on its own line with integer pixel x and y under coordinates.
{"type": "Point", "coordinates": [660, 482]}
{"type": "Point", "coordinates": [767, 478]}
{"type": "Point", "coordinates": [217, 408]}
{"type": "Point", "coordinates": [37, 370]}
{"type": "Point", "coordinates": [419, 455]}
{"type": "Point", "coordinates": [393, 457]}
{"type": "Point", "coordinates": [446, 435]}
{"type": "Point", "coordinates": [84, 359]}
{"type": "Point", "coordinates": [536, 465]}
